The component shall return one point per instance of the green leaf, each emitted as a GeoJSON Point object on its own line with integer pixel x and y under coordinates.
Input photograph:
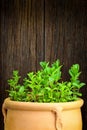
{"type": "Point", "coordinates": [21, 90]}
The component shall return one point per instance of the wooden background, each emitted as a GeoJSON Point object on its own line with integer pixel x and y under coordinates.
{"type": "Point", "coordinates": [36, 30]}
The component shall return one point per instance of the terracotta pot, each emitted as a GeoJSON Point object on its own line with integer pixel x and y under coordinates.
{"type": "Point", "coordinates": [42, 116]}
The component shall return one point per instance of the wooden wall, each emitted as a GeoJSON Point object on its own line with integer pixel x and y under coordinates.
{"type": "Point", "coordinates": [36, 30]}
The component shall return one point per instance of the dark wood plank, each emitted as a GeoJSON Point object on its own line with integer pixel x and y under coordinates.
{"type": "Point", "coordinates": [32, 35]}
{"type": "Point", "coordinates": [49, 27]}
{"type": "Point", "coordinates": [40, 49]}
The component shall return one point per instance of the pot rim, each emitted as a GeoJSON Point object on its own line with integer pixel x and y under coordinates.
{"type": "Point", "coordinates": [9, 104]}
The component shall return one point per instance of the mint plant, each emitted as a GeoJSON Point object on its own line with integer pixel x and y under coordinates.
{"type": "Point", "coordinates": [46, 84]}
{"type": "Point", "coordinates": [17, 92]}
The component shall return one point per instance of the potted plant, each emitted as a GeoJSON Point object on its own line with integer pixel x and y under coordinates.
{"type": "Point", "coordinates": [43, 101]}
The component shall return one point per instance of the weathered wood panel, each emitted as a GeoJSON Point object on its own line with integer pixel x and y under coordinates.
{"type": "Point", "coordinates": [32, 31]}
{"type": "Point", "coordinates": [65, 38]}
{"type": "Point", "coordinates": [21, 43]}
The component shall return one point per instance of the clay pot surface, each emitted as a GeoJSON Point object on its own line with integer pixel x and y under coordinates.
{"type": "Point", "coordinates": [42, 116]}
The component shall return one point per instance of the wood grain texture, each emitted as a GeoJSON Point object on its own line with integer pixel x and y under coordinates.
{"type": "Point", "coordinates": [32, 31]}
